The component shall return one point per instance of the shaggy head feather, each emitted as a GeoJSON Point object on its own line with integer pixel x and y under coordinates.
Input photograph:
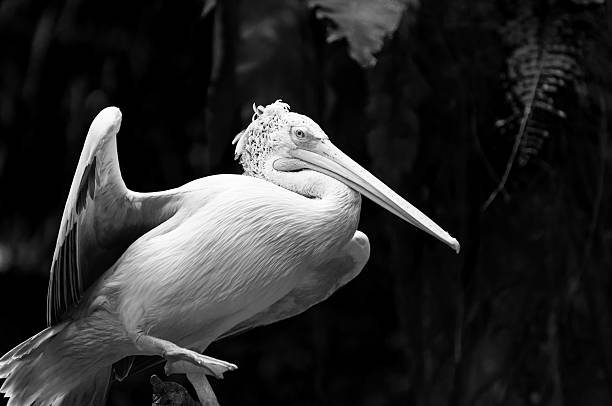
{"type": "Point", "coordinates": [269, 136]}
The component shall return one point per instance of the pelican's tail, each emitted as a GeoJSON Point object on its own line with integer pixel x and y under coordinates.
{"type": "Point", "coordinates": [62, 365]}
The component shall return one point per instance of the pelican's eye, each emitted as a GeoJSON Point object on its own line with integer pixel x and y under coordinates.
{"type": "Point", "coordinates": [300, 134]}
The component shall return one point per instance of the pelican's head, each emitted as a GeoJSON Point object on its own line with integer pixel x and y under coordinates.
{"type": "Point", "coordinates": [280, 140]}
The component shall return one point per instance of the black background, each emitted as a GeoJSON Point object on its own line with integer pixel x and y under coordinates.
{"type": "Point", "coordinates": [520, 317]}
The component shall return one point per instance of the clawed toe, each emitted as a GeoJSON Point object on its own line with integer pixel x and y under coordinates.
{"type": "Point", "coordinates": [196, 363]}
{"type": "Point", "coordinates": [210, 362]}
{"type": "Point", "coordinates": [180, 359]}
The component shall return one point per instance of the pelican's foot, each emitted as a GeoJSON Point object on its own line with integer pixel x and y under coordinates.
{"type": "Point", "coordinates": [179, 359]}
{"type": "Point", "coordinates": [183, 361]}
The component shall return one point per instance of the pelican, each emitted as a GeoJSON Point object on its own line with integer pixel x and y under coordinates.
{"type": "Point", "coordinates": [168, 273]}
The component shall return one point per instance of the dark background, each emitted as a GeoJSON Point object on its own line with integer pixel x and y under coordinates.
{"type": "Point", "coordinates": [466, 96]}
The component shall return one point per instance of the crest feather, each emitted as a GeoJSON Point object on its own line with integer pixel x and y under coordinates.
{"type": "Point", "coordinates": [261, 120]}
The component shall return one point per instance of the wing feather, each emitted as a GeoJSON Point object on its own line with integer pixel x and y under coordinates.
{"type": "Point", "coordinates": [100, 220]}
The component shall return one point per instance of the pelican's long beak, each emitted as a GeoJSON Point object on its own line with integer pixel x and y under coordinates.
{"type": "Point", "coordinates": [327, 159]}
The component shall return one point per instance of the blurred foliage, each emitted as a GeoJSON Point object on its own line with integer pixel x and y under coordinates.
{"type": "Point", "coordinates": [363, 23]}
{"type": "Point", "coordinates": [543, 73]}
{"type": "Point", "coordinates": [521, 317]}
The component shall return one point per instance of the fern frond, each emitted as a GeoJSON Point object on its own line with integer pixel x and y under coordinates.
{"type": "Point", "coordinates": [537, 71]}
{"type": "Point", "coordinates": [543, 62]}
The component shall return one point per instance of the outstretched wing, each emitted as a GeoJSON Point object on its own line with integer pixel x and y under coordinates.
{"type": "Point", "coordinates": [101, 218]}
{"type": "Point", "coordinates": [316, 287]}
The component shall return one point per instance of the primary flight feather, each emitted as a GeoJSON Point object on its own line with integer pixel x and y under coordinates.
{"type": "Point", "coordinates": [168, 273]}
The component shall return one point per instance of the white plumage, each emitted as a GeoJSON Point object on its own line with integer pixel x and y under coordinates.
{"type": "Point", "coordinates": [168, 273]}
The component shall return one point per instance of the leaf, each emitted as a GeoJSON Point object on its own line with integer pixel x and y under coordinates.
{"type": "Point", "coordinates": [364, 23]}
{"type": "Point", "coordinates": [209, 5]}
{"type": "Point", "coordinates": [544, 62]}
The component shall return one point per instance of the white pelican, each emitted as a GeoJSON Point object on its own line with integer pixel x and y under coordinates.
{"type": "Point", "coordinates": [168, 273]}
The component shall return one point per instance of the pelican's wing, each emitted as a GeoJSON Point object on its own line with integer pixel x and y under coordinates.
{"type": "Point", "coordinates": [316, 287]}
{"type": "Point", "coordinates": [101, 218]}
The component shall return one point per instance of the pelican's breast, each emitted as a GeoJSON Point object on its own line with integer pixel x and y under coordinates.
{"type": "Point", "coordinates": [215, 265]}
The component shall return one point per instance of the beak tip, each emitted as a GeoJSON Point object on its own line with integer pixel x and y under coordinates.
{"type": "Point", "coordinates": [456, 246]}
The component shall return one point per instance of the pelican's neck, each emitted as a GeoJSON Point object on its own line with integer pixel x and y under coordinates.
{"type": "Point", "coordinates": [335, 207]}
{"type": "Point", "coordinates": [315, 185]}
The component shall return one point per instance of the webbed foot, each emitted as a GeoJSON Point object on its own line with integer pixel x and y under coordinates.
{"type": "Point", "coordinates": [181, 361]}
